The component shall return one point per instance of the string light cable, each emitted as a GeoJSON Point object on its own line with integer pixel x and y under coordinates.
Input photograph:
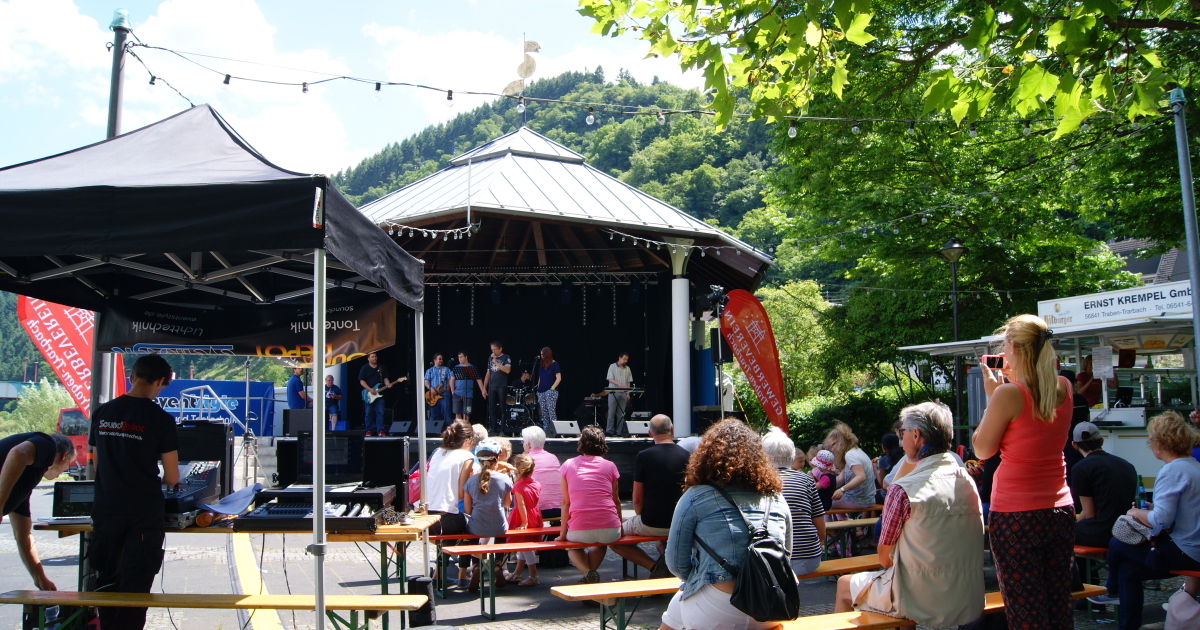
{"type": "Point", "coordinates": [399, 229]}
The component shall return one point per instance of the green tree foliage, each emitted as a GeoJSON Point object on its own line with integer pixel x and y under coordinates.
{"type": "Point", "coordinates": [1069, 59]}
{"type": "Point", "coordinates": [37, 409]}
{"type": "Point", "coordinates": [16, 348]}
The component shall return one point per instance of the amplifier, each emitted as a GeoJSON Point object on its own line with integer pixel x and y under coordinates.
{"type": "Point", "coordinates": [297, 420]}
{"type": "Point", "coordinates": [385, 461]}
{"type": "Point", "coordinates": [378, 498]}
{"type": "Point", "coordinates": [287, 458]}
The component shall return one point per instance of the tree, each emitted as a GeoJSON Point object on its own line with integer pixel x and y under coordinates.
{"type": "Point", "coordinates": [37, 409]}
{"type": "Point", "coordinates": [1069, 60]}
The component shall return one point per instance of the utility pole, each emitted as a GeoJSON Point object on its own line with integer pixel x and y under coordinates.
{"type": "Point", "coordinates": [1189, 208]}
{"type": "Point", "coordinates": [116, 90]}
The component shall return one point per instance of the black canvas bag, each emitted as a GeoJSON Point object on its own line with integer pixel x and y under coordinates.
{"type": "Point", "coordinates": [765, 587]}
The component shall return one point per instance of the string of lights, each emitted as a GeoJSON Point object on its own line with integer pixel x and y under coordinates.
{"type": "Point", "coordinates": [398, 229]}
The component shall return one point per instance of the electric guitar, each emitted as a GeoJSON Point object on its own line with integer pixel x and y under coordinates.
{"type": "Point", "coordinates": [369, 398]}
{"type": "Point", "coordinates": [434, 396]}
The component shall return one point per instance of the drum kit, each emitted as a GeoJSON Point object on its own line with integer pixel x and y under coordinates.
{"type": "Point", "coordinates": [520, 410]}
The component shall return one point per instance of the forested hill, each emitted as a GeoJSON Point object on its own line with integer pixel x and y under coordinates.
{"type": "Point", "coordinates": [685, 162]}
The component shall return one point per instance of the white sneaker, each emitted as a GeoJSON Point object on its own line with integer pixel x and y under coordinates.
{"type": "Point", "coordinates": [1105, 600]}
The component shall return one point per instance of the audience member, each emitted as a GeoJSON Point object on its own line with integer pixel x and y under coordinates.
{"type": "Point", "coordinates": [893, 454]}
{"type": "Point", "coordinates": [545, 471]}
{"type": "Point", "coordinates": [1174, 522]}
{"type": "Point", "coordinates": [1032, 521]}
{"type": "Point", "coordinates": [525, 515]}
{"type": "Point", "coordinates": [502, 465]}
{"type": "Point", "coordinates": [932, 535]}
{"type": "Point", "coordinates": [658, 474]}
{"type": "Point", "coordinates": [486, 495]}
{"type": "Point", "coordinates": [449, 467]}
{"type": "Point", "coordinates": [857, 476]}
{"type": "Point", "coordinates": [1102, 483]}
{"type": "Point", "coordinates": [825, 477]}
{"type": "Point", "coordinates": [800, 492]}
{"type": "Point", "coordinates": [1079, 413]}
{"type": "Point", "coordinates": [591, 507]}
{"type": "Point", "coordinates": [731, 457]}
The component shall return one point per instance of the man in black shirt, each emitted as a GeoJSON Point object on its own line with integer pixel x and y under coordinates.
{"type": "Point", "coordinates": [374, 379]}
{"type": "Point", "coordinates": [28, 457]}
{"type": "Point", "coordinates": [1104, 484]}
{"type": "Point", "coordinates": [130, 435]}
{"type": "Point", "coordinates": [658, 474]}
{"type": "Point", "coordinates": [495, 386]}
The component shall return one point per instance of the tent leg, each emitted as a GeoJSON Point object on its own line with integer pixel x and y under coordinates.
{"type": "Point", "coordinates": [317, 549]}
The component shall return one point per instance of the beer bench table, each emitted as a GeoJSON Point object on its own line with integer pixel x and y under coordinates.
{"type": "Point", "coordinates": [441, 583]}
{"type": "Point", "coordinates": [611, 595]}
{"type": "Point", "coordinates": [350, 603]}
{"type": "Point", "coordinates": [847, 529]}
{"type": "Point", "coordinates": [393, 542]}
{"type": "Point", "coordinates": [878, 507]}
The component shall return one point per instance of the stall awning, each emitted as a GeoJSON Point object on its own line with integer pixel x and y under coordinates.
{"type": "Point", "coordinates": [1164, 324]}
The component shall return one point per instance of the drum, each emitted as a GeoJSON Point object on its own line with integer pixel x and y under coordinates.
{"type": "Point", "coordinates": [510, 400]}
{"type": "Point", "coordinates": [531, 398]}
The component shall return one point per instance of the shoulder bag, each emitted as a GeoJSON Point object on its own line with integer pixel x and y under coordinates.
{"type": "Point", "coordinates": [765, 587]}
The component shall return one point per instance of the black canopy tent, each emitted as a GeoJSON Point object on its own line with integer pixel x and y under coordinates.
{"type": "Point", "coordinates": [185, 212]}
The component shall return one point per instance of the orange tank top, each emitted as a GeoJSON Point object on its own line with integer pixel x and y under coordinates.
{"type": "Point", "coordinates": [1032, 473]}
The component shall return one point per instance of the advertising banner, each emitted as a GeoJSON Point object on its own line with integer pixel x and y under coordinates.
{"type": "Point", "coordinates": [1117, 306]}
{"type": "Point", "coordinates": [747, 330]}
{"type": "Point", "coordinates": [199, 403]}
{"type": "Point", "coordinates": [353, 329]}
{"type": "Point", "coordinates": [64, 337]}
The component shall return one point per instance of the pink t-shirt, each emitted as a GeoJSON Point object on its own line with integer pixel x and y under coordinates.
{"type": "Point", "coordinates": [1032, 473]}
{"type": "Point", "coordinates": [546, 471]}
{"type": "Point", "coordinates": [589, 487]}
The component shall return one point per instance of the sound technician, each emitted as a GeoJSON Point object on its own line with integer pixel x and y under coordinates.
{"type": "Point", "coordinates": [130, 434]}
{"type": "Point", "coordinates": [28, 457]}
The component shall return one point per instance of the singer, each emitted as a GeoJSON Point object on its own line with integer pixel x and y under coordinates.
{"type": "Point", "coordinates": [495, 385]}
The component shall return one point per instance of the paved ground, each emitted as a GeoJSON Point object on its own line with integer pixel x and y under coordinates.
{"type": "Point", "coordinates": [225, 563]}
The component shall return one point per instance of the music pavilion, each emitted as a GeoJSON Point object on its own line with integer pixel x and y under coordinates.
{"type": "Point", "coordinates": [525, 243]}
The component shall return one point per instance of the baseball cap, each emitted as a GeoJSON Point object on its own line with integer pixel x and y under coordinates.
{"type": "Point", "coordinates": [1085, 431]}
{"type": "Point", "coordinates": [487, 449]}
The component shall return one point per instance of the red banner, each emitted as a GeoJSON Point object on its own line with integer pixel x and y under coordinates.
{"type": "Point", "coordinates": [747, 330]}
{"type": "Point", "coordinates": [64, 337]}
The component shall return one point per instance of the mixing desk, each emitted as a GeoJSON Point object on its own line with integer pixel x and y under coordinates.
{"type": "Point", "coordinates": [201, 484]}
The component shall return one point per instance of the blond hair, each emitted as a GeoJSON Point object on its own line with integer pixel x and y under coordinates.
{"type": "Point", "coordinates": [1172, 433]}
{"type": "Point", "coordinates": [505, 448]}
{"type": "Point", "coordinates": [1034, 355]}
{"type": "Point", "coordinates": [524, 465]}
{"type": "Point", "coordinates": [844, 442]}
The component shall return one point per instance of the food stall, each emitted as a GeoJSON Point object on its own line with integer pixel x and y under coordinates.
{"type": "Point", "coordinates": [1128, 333]}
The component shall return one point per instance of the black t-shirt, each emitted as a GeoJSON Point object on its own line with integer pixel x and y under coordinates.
{"type": "Point", "coordinates": [660, 469]}
{"type": "Point", "coordinates": [18, 497]}
{"type": "Point", "coordinates": [1112, 484]}
{"type": "Point", "coordinates": [372, 375]}
{"type": "Point", "coordinates": [130, 435]}
{"type": "Point", "coordinates": [497, 379]}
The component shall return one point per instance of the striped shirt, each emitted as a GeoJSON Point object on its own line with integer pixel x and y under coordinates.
{"type": "Point", "coordinates": [800, 491]}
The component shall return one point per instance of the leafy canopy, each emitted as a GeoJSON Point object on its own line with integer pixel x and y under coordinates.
{"type": "Point", "coordinates": [1069, 60]}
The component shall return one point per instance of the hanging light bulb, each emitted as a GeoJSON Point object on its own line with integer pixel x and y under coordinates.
{"type": "Point", "coordinates": [378, 91]}
{"type": "Point", "coordinates": [995, 198]}
{"type": "Point", "coordinates": [702, 253]}
{"type": "Point", "coordinates": [410, 234]}
{"type": "Point", "coordinates": [226, 81]}
{"type": "Point", "coordinates": [842, 244]}
{"type": "Point", "coordinates": [304, 88]}
{"type": "Point", "coordinates": [591, 116]}
{"type": "Point", "coordinates": [391, 230]}
{"type": "Point", "coordinates": [792, 129]}
{"type": "Point", "coordinates": [912, 128]}
{"type": "Point", "coordinates": [521, 105]}
{"type": "Point", "coordinates": [1084, 126]}
{"type": "Point", "coordinates": [611, 236]}
{"type": "Point", "coordinates": [1027, 129]}
{"type": "Point", "coordinates": [971, 131]}
{"type": "Point", "coordinates": [152, 82]}
{"type": "Point", "coordinates": [719, 251]}
{"type": "Point", "coordinates": [739, 252]}
{"type": "Point", "coordinates": [855, 129]}
{"type": "Point", "coordinates": [924, 218]}
{"type": "Point", "coordinates": [449, 98]}
{"type": "Point", "coordinates": [895, 230]}
{"type": "Point", "coordinates": [660, 119]}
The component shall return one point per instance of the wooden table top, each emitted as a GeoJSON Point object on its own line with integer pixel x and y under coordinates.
{"type": "Point", "coordinates": [384, 533]}
{"type": "Point", "coordinates": [216, 601]}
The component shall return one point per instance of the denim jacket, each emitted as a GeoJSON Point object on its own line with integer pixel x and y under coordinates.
{"type": "Point", "coordinates": [703, 512]}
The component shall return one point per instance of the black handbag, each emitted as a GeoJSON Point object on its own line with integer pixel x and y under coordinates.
{"type": "Point", "coordinates": [765, 587]}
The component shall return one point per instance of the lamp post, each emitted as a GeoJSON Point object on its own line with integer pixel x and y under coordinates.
{"type": "Point", "coordinates": [952, 251]}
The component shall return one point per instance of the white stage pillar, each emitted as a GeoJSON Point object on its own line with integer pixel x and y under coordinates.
{"type": "Point", "coordinates": [681, 356]}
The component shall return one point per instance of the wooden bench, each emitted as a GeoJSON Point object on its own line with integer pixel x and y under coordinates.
{"type": "Point", "coordinates": [846, 529]}
{"type": "Point", "coordinates": [442, 583]}
{"type": "Point", "coordinates": [351, 603]}
{"type": "Point", "coordinates": [878, 507]}
{"type": "Point", "coordinates": [487, 564]}
{"type": "Point", "coordinates": [612, 595]}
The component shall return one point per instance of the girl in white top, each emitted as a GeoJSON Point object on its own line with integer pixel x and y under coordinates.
{"type": "Point", "coordinates": [857, 472]}
{"type": "Point", "coordinates": [449, 468]}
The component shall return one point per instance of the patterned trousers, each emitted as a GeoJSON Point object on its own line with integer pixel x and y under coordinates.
{"type": "Point", "coordinates": [547, 404]}
{"type": "Point", "coordinates": [1034, 552]}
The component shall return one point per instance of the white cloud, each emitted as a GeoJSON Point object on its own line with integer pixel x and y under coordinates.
{"type": "Point", "coordinates": [48, 37]}
{"type": "Point", "coordinates": [476, 61]}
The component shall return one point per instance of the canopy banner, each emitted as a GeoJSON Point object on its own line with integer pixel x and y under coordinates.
{"type": "Point", "coordinates": [64, 337]}
{"type": "Point", "coordinates": [281, 331]}
{"type": "Point", "coordinates": [747, 330]}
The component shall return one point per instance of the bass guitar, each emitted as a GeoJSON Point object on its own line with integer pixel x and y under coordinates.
{"type": "Point", "coordinates": [434, 396]}
{"type": "Point", "coordinates": [369, 398]}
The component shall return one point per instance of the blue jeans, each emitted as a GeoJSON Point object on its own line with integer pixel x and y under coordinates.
{"type": "Point", "coordinates": [373, 416]}
{"type": "Point", "coordinates": [441, 411]}
{"type": "Point", "coordinates": [1127, 567]}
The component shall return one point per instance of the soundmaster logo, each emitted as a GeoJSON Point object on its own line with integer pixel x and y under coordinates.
{"type": "Point", "coordinates": [121, 426]}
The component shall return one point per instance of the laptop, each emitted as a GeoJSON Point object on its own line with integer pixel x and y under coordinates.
{"type": "Point", "coordinates": [72, 503]}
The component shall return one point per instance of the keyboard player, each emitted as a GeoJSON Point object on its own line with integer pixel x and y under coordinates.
{"type": "Point", "coordinates": [619, 375]}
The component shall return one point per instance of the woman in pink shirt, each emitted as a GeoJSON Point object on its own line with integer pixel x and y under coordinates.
{"type": "Point", "coordinates": [591, 507]}
{"type": "Point", "coordinates": [1032, 525]}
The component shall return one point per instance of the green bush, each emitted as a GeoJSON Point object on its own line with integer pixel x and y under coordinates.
{"type": "Point", "coordinates": [36, 410]}
{"type": "Point", "coordinates": [869, 413]}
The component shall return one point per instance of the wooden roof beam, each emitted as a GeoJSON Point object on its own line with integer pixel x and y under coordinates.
{"type": "Point", "coordinates": [541, 245]}
{"type": "Point", "coordinates": [499, 244]}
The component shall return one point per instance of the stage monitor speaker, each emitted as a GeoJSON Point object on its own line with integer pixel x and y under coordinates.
{"type": "Point", "coordinates": [297, 420]}
{"type": "Point", "coordinates": [707, 418]}
{"type": "Point", "coordinates": [434, 427]}
{"type": "Point", "coordinates": [566, 427]}
{"type": "Point", "coordinates": [720, 348]}
{"type": "Point", "coordinates": [286, 459]}
{"type": "Point", "coordinates": [383, 462]}
{"type": "Point", "coordinates": [637, 427]}
{"type": "Point", "coordinates": [404, 427]}
{"type": "Point", "coordinates": [208, 442]}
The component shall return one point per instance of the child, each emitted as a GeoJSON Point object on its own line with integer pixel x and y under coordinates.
{"type": "Point", "coordinates": [525, 515]}
{"type": "Point", "coordinates": [826, 477]}
{"type": "Point", "coordinates": [485, 496]}
{"type": "Point", "coordinates": [502, 465]}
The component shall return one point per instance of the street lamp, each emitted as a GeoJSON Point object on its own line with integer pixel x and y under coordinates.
{"type": "Point", "coordinates": [952, 251]}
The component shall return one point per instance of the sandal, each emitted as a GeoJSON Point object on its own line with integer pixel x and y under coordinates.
{"type": "Point", "coordinates": [529, 581]}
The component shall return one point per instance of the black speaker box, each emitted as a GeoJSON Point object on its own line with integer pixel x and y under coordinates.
{"type": "Point", "coordinates": [208, 442]}
{"type": "Point", "coordinates": [287, 457]}
{"type": "Point", "coordinates": [297, 420]}
{"type": "Point", "coordinates": [434, 427]}
{"type": "Point", "coordinates": [402, 427]}
{"type": "Point", "coordinates": [721, 352]}
{"type": "Point", "coordinates": [383, 462]}
{"type": "Point", "coordinates": [705, 419]}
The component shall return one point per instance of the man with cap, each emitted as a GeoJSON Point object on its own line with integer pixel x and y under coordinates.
{"type": "Point", "coordinates": [27, 458]}
{"type": "Point", "coordinates": [1104, 484]}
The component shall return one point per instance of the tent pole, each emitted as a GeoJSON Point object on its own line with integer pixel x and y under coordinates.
{"type": "Point", "coordinates": [317, 549]}
{"type": "Point", "coordinates": [419, 347]}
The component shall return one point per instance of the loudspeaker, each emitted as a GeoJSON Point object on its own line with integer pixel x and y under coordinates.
{"type": "Point", "coordinates": [287, 457]}
{"type": "Point", "coordinates": [208, 442]}
{"type": "Point", "coordinates": [720, 348]}
{"type": "Point", "coordinates": [705, 419]}
{"type": "Point", "coordinates": [297, 420]}
{"type": "Point", "coordinates": [434, 427]}
{"type": "Point", "coordinates": [426, 615]}
{"type": "Point", "coordinates": [404, 427]}
{"type": "Point", "coordinates": [383, 462]}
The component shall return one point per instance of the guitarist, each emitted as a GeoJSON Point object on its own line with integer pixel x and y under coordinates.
{"type": "Point", "coordinates": [374, 379]}
{"type": "Point", "coordinates": [437, 390]}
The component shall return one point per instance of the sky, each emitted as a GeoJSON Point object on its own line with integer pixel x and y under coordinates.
{"type": "Point", "coordinates": [55, 68]}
